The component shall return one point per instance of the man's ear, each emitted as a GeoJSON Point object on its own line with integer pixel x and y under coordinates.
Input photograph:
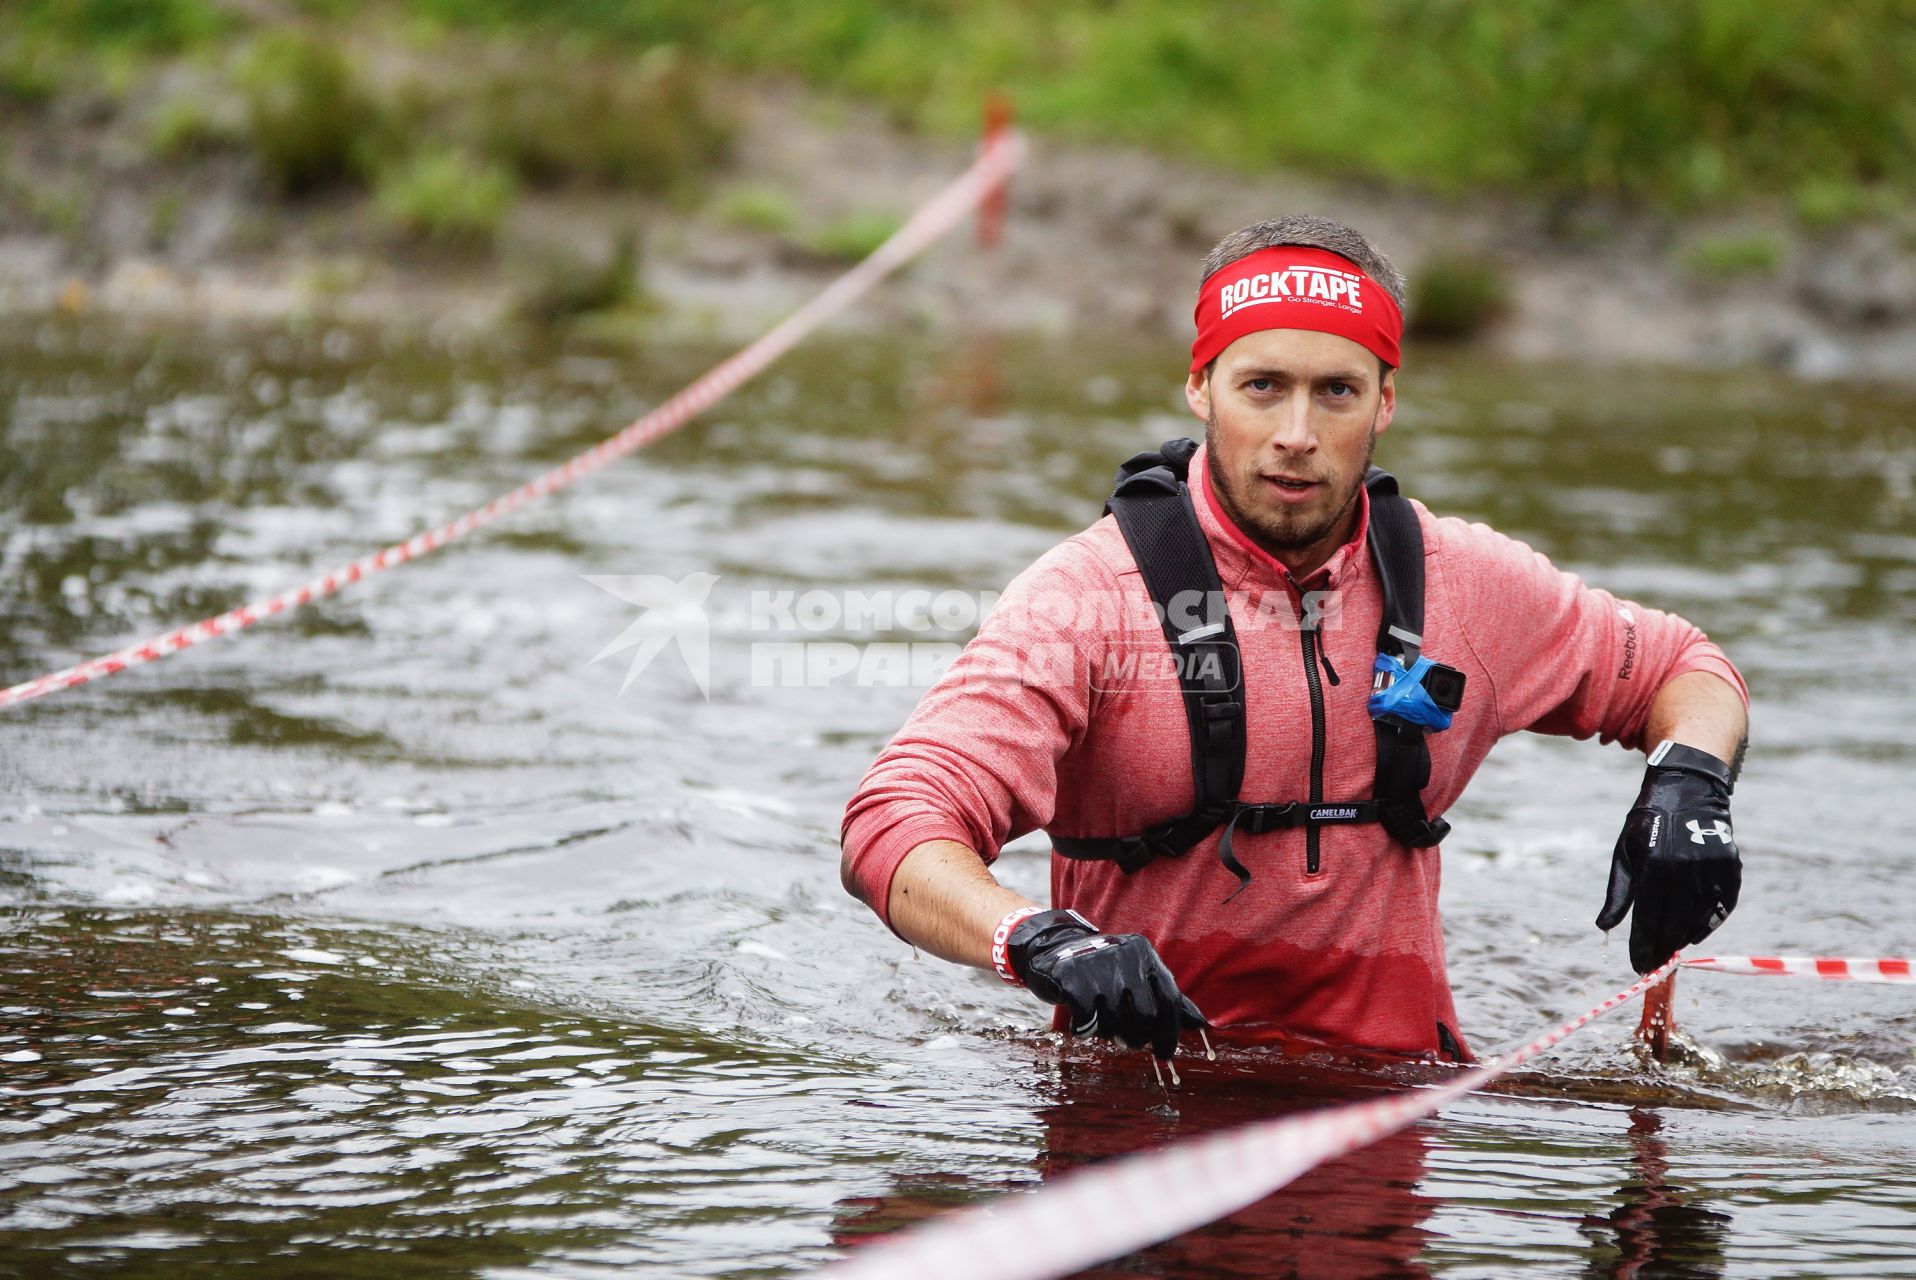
{"type": "Point", "coordinates": [1197, 393]}
{"type": "Point", "coordinates": [1386, 400]}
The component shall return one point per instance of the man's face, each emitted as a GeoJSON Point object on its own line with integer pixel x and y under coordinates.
{"type": "Point", "coordinates": [1291, 417]}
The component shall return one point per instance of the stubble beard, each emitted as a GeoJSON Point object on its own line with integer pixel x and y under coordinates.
{"type": "Point", "coordinates": [1281, 532]}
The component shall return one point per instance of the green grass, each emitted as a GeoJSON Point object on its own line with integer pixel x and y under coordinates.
{"type": "Point", "coordinates": [308, 117]}
{"type": "Point", "coordinates": [562, 116]}
{"type": "Point", "coordinates": [157, 26]}
{"type": "Point", "coordinates": [1821, 204]}
{"type": "Point", "coordinates": [757, 208]}
{"type": "Point", "coordinates": [445, 197]}
{"type": "Point", "coordinates": [190, 125]}
{"type": "Point", "coordinates": [163, 217]}
{"type": "Point", "coordinates": [1732, 255]}
{"type": "Point", "coordinates": [851, 237]}
{"type": "Point", "coordinates": [30, 72]}
{"type": "Point", "coordinates": [1455, 297]}
{"type": "Point", "coordinates": [59, 207]}
{"type": "Point", "coordinates": [1690, 103]}
{"type": "Point", "coordinates": [1681, 105]}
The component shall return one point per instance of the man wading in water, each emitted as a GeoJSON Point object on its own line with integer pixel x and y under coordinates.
{"type": "Point", "coordinates": [1244, 802]}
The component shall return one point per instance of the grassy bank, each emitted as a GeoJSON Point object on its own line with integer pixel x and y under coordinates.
{"type": "Point", "coordinates": [1684, 103]}
{"type": "Point", "coordinates": [1696, 103]}
{"type": "Point", "coordinates": [440, 128]}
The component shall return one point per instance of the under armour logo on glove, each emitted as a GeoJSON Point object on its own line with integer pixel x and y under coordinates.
{"type": "Point", "coordinates": [1698, 832]}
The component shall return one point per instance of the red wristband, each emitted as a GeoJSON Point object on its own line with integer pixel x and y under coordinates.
{"type": "Point", "coordinates": [1000, 941]}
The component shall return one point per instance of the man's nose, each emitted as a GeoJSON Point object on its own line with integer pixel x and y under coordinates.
{"type": "Point", "coordinates": [1294, 430]}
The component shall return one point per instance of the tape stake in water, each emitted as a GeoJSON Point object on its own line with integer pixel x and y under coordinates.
{"type": "Point", "coordinates": [937, 216]}
{"type": "Point", "coordinates": [1659, 1018]}
{"type": "Point", "coordinates": [991, 210]}
{"type": "Point", "coordinates": [1140, 1199]}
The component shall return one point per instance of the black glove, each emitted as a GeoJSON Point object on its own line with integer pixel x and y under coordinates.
{"type": "Point", "coordinates": [1676, 858]}
{"type": "Point", "coordinates": [1113, 984]}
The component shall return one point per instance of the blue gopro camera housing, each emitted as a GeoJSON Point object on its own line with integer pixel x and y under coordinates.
{"type": "Point", "coordinates": [1427, 693]}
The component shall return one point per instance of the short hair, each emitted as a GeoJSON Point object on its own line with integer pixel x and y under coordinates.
{"type": "Point", "coordinates": [1311, 232]}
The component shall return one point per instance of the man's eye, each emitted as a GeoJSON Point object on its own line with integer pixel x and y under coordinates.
{"type": "Point", "coordinates": [1260, 384]}
{"type": "Point", "coordinates": [1342, 389]}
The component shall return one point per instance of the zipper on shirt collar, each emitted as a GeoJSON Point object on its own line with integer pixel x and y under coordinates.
{"type": "Point", "coordinates": [1312, 641]}
{"type": "Point", "coordinates": [1324, 656]}
{"type": "Point", "coordinates": [1304, 624]}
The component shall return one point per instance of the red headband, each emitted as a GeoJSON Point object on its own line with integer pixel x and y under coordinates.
{"type": "Point", "coordinates": [1295, 288]}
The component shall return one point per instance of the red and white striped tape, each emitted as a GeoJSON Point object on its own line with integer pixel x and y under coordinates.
{"type": "Point", "coordinates": [1141, 1199]}
{"type": "Point", "coordinates": [934, 218]}
{"type": "Point", "coordinates": [1873, 969]}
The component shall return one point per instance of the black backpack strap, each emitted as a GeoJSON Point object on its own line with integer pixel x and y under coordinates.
{"type": "Point", "coordinates": [1397, 551]}
{"type": "Point", "coordinates": [1403, 749]}
{"type": "Point", "coordinates": [1173, 457]}
{"type": "Point", "coordinates": [1154, 512]}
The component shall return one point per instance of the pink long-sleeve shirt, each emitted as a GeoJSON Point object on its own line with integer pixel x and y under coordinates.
{"type": "Point", "coordinates": [1041, 724]}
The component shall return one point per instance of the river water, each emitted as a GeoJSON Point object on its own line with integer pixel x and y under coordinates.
{"type": "Point", "coordinates": [392, 939]}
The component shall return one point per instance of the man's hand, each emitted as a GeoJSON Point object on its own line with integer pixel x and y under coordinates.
{"type": "Point", "coordinates": [1113, 985]}
{"type": "Point", "coordinates": [1676, 858]}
